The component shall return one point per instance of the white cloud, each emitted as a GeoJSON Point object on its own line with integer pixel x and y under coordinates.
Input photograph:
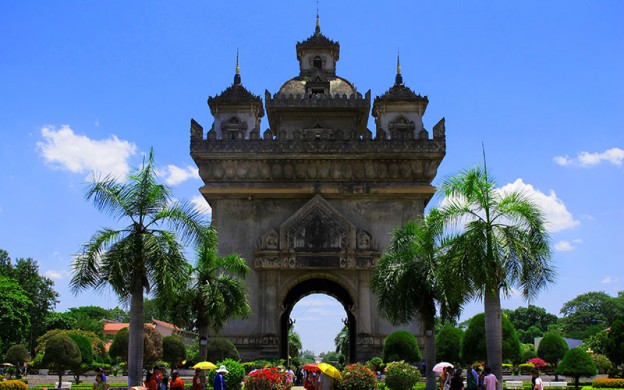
{"type": "Point", "coordinates": [201, 205]}
{"type": "Point", "coordinates": [609, 280]}
{"type": "Point", "coordinates": [63, 149]}
{"type": "Point", "coordinates": [556, 212]}
{"type": "Point", "coordinates": [56, 275]}
{"type": "Point", "coordinates": [563, 246]}
{"type": "Point", "coordinates": [614, 156]}
{"type": "Point", "coordinates": [175, 175]}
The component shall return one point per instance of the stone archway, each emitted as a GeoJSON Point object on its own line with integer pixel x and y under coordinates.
{"type": "Point", "coordinates": [318, 285]}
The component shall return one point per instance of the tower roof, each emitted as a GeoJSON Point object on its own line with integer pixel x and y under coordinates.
{"type": "Point", "coordinates": [319, 41]}
{"type": "Point", "coordinates": [236, 94]}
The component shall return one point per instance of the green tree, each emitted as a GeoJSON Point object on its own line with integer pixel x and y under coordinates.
{"type": "Point", "coordinates": [552, 348]}
{"type": "Point", "coordinates": [306, 356]}
{"type": "Point", "coordinates": [146, 255]}
{"type": "Point", "coordinates": [401, 345]}
{"type": "Point", "coordinates": [174, 350]}
{"type": "Point", "coordinates": [528, 336]}
{"type": "Point", "coordinates": [219, 292]}
{"type": "Point", "coordinates": [14, 312]}
{"type": "Point", "coordinates": [502, 243]}
{"type": "Point", "coordinates": [408, 284]}
{"type": "Point", "coordinates": [577, 363]}
{"type": "Point", "coordinates": [473, 346]}
{"type": "Point", "coordinates": [152, 345]}
{"type": "Point", "coordinates": [447, 341]}
{"type": "Point", "coordinates": [61, 353]}
{"type": "Point", "coordinates": [221, 348]}
{"type": "Point", "coordinates": [17, 355]}
{"type": "Point", "coordinates": [614, 347]}
{"type": "Point", "coordinates": [341, 341]}
{"type": "Point", "coordinates": [588, 314]}
{"type": "Point", "coordinates": [86, 354]}
{"type": "Point", "coordinates": [56, 320]}
{"type": "Point", "coordinates": [524, 318]}
{"type": "Point", "coordinates": [294, 343]}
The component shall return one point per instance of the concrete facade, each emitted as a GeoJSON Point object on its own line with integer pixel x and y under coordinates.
{"type": "Point", "coordinates": [310, 204]}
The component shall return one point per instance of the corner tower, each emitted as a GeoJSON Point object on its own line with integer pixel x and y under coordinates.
{"type": "Point", "coordinates": [311, 203]}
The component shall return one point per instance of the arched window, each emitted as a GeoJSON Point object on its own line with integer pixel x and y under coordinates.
{"type": "Point", "coordinates": [317, 62]}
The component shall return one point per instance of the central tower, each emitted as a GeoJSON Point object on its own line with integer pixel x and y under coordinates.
{"type": "Point", "coordinates": [311, 203]}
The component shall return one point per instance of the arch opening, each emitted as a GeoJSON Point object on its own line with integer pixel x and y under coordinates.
{"type": "Point", "coordinates": [320, 286]}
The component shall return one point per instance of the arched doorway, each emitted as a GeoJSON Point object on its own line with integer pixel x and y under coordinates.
{"type": "Point", "coordinates": [317, 285]}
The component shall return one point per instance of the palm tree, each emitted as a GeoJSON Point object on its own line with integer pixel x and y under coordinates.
{"type": "Point", "coordinates": [146, 255]}
{"type": "Point", "coordinates": [408, 285]}
{"type": "Point", "coordinates": [342, 342]}
{"type": "Point", "coordinates": [218, 293]}
{"type": "Point", "coordinates": [501, 243]}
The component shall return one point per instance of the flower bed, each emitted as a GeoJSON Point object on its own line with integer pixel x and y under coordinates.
{"type": "Point", "coordinates": [266, 379]}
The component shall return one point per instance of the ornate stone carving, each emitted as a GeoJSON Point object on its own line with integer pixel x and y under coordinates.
{"type": "Point", "coordinates": [439, 130]}
{"type": "Point", "coordinates": [401, 128]}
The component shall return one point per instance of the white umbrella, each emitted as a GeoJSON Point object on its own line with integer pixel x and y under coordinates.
{"type": "Point", "coordinates": [441, 366]}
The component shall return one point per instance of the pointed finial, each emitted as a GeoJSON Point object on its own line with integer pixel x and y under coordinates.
{"type": "Point", "coordinates": [237, 77]}
{"type": "Point", "coordinates": [398, 80]}
{"type": "Point", "coordinates": [318, 20]}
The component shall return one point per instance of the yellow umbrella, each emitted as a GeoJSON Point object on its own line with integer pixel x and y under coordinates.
{"type": "Point", "coordinates": [330, 370]}
{"type": "Point", "coordinates": [204, 366]}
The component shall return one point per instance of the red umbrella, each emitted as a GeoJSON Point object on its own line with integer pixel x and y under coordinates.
{"type": "Point", "coordinates": [311, 367]}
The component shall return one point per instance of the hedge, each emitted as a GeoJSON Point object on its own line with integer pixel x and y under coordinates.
{"type": "Point", "coordinates": [13, 385]}
{"type": "Point", "coordinates": [608, 383]}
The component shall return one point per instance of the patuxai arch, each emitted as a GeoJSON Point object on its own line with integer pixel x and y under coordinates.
{"type": "Point", "coordinates": [310, 201]}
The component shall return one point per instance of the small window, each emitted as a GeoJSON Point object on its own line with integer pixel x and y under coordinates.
{"type": "Point", "coordinates": [317, 63]}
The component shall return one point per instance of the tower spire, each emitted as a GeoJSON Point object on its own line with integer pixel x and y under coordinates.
{"type": "Point", "coordinates": [237, 77]}
{"type": "Point", "coordinates": [317, 31]}
{"type": "Point", "coordinates": [398, 80]}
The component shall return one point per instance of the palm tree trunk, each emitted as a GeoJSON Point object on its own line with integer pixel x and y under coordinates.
{"type": "Point", "coordinates": [203, 349]}
{"type": "Point", "coordinates": [494, 334]}
{"type": "Point", "coordinates": [430, 358]}
{"type": "Point", "coordinates": [135, 336]}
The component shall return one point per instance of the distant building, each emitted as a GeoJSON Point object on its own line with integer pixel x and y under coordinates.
{"type": "Point", "coordinates": [164, 328]}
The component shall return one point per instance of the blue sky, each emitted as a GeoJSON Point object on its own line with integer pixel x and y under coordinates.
{"type": "Point", "coordinates": [91, 86]}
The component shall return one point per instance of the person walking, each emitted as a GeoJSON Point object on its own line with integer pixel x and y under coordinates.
{"type": "Point", "coordinates": [472, 379]}
{"type": "Point", "coordinates": [219, 381]}
{"type": "Point", "coordinates": [176, 382]}
{"type": "Point", "coordinates": [457, 382]}
{"type": "Point", "coordinates": [490, 381]}
{"type": "Point", "coordinates": [199, 380]}
{"type": "Point", "coordinates": [536, 380]}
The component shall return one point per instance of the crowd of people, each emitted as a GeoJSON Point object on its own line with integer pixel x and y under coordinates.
{"type": "Point", "coordinates": [477, 379]}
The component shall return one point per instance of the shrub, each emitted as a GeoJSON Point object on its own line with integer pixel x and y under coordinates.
{"type": "Point", "coordinates": [17, 354]}
{"type": "Point", "coordinates": [447, 340]}
{"type": "Point", "coordinates": [473, 342]}
{"type": "Point", "coordinates": [233, 378]}
{"type": "Point", "coordinates": [401, 376]}
{"type": "Point", "coordinates": [13, 385]}
{"type": "Point", "coordinates": [375, 364]}
{"type": "Point", "coordinates": [552, 348]}
{"type": "Point", "coordinates": [174, 350]}
{"type": "Point", "coordinates": [577, 363]}
{"type": "Point", "coordinates": [538, 363]}
{"type": "Point", "coordinates": [603, 364]}
{"type": "Point", "coordinates": [401, 345]}
{"type": "Point", "coordinates": [266, 379]}
{"type": "Point", "coordinates": [61, 353]}
{"type": "Point", "coordinates": [608, 383]}
{"type": "Point", "coordinates": [615, 343]}
{"type": "Point", "coordinates": [526, 368]}
{"type": "Point", "coordinates": [221, 348]}
{"type": "Point", "coordinates": [357, 377]}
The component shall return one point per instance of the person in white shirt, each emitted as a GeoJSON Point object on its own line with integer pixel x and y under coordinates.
{"type": "Point", "coordinates": [538, 384]}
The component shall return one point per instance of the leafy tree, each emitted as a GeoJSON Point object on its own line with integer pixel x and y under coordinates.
{"type": "Point", "coordinates": [221, 348]}
{"type": "Point", "coordinates": [342, 342]}
{"type": "Point", "coordinates": [86, 353]}
{"type": "Point", "coordinates": [502, 243]}
{"type": "Point", "coordinates": [401, 345]}
{"type": "Point", "coordinates": [408, 284]}
{"type": "Point", "coordinates": [447, 341]}
{"type": "Point", "coordinates": [56, 320]}
{"type": "Point", "coordinates": [306, 356]}
{"type": "Point", "coordinates": [14, 312]}
{"type": "Point", "coordinates": [614, 347]}
{"type": "Point", "coordinates": [174, 350]}
{"type": "Point", "coordinates": [577, 363]}
{"type": "Point", "coordinates": [524, 318]}
{"type": "Point", "coordinates": [528, 352]}
{"type": "Point", "coordinates": [144, 255]}
{"type": "Point", "coordinates": [294, 343]}
{"type": "Point", "coordinates": [528, 336]}
{"type": "Point", "coordinates": [473, 346]}
{"type": "Point", "coordinates": [61, 353]}
{"type": "Point", "coordinates": [40, 290]}
{"type": "Point", "coordinates": [552, 348]}
{"type": "Point", "coordinates": [597, 343]}
{"type": "Point", "coordinates": [333, 358]}
{"type": "Point", "coordinates": [219, 292]}
{"type": "Point", "coordinates": [152, 345]}
{"type": "Point", "coordinates": [97, 345]}
{"type": "Point", "coordinates": [603, 364]}
{"type": "Point", "coordinates": [17, 355]}
{"type": "Point", "coordinates": [588, 314]}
